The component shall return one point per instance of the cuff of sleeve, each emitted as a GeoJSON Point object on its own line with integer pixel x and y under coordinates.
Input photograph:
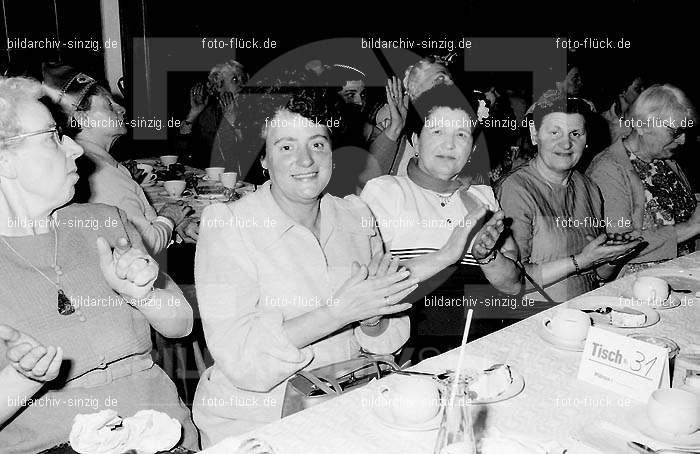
{"type": "Point", "coordinates": [270, 358]}
{"type": "Point", "coordinates": [392, 339]}
{"type": "Point", "coordinates": [166, 221]}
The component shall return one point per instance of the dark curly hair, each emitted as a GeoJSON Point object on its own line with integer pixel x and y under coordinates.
{"type": "Point", "coordinates": [441, 96]}
{"type": "Point", "coordinates": [554, 101]}
{"type": "Point", "coordinates": [291, 91]}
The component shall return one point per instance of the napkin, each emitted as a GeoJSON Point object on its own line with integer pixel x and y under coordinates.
{"type": "Point", "coordinates": [97, 433]}
{"type": "Point", "coordinates": [147, 432]}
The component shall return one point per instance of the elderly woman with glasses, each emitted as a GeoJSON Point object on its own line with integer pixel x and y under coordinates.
{"type": "Point", "coordinates": [556, 212]}
{"type": "Point", "coordinates": [643, 187]}
{"type": "Point", "coordinates": [73, 276]}
{"type": "Point", "coordinates": [95, 120]}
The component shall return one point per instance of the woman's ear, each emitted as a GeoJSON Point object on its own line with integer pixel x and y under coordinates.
{"type": "Point", "coordinates": [533, 133]}
{"type": "Point", "coordinates": [7, 167]}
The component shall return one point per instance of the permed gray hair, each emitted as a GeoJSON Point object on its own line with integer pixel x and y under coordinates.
{"type": "Point", "coordinates": [663, 102]}
{"type": "Point", "coordinates": [15, 91]}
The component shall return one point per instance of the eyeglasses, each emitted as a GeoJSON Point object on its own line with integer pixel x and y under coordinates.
{"type": "Point", "coordinates": [56, 130]}
{"type": "Point", "coordinates": [676, 132]}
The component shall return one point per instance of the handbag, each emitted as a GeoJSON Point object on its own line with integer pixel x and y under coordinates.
{"type": "Point", "coordinates": [308, 388]}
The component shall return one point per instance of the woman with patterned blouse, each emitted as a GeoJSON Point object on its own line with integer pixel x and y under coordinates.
{"type": "Point", "coordinates": [643, 187]}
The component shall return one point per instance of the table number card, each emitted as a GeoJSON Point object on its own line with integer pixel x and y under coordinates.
{"type": "Point", "coordinates": [624, 365]}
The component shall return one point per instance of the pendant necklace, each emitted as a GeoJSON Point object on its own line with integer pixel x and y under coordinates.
{"type": "Point", "coordinates": [64, 305]}
{"type": "Point", "coordinates": [444, 200]}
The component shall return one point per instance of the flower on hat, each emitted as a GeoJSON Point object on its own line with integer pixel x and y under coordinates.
{"type": "Point", "coordinates": [482, 111]}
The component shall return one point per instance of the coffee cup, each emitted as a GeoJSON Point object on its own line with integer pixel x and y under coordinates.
{"type": "Point", "coordinates": [168, 159]}
{"type": "Point", "coordinates": [228, 179]}
{"type": "Point", "coordinates": [214, 173]}
{"type": "Point", "coordinates": [569, 324]}
{"type": "Point", "coordinates": [650, 289]}
{"type": "Point", "coordinates": [175, 188]}
{"type": "Point", "coordinates": [674, 411]}
{"type": "Point", "coordinates": [412, 400]}
{"type": "Point", "coordinates": [150, 177]}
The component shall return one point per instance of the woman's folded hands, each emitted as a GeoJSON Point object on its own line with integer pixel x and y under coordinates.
{"type": "Point", "coordinates": [372, 291]}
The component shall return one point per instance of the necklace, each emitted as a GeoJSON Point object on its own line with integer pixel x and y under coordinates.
{"type": "Point", "coordinates": [444, 200]}
{"type": "Point", "coordinates": [65, 307]}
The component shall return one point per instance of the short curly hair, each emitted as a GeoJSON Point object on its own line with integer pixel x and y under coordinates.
{"type": "Point", "coordinates": [293, 92]}
{"type": "Point", "coordinates": [15, 91]}
{"type": "Point", "coordinates": [218, 73]}
{"type": "Point", "coordinates": [553, 101]}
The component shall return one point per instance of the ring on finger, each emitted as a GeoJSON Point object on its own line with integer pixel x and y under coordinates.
{"type": "Point", "coordinates": [145, 259]}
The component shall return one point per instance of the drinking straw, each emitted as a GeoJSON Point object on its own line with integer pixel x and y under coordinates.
{"type": "Point", "coordinates": [455, 383]}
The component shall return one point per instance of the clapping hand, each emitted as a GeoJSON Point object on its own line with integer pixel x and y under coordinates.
{"type": "Point", "coordinates": [176, 212]}
{"type": "Point", "coordinates": [362, 297]}
{"type": "Point", "coordinates": [198, 100]}
{"type": "Point", "coordinates": [398, 108]}
{"type": "Point", "coordinates": [597, 252]}
{"type": "Point", "coordinates": [615, 239]}
{"type": "Point", "coordinates": [128, 270]}
{"type": "Point", "coordinates": [487, 238]}
{"type": "Point", "coordinates": [229, 106]}
{"type": "Point", "coordinates": [381, 265]}
{"type": "Point", "coordinates": [29, 357]}
{"type": "Point", "coordinates": [453, 250]}
{"type": "Point", "coordinates": [188, 230]}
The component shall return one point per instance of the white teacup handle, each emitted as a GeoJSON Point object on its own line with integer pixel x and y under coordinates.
{"type": "Point", "coordinates": [384, 389]}
{"type": "Point", "coordinates": [150, 178]}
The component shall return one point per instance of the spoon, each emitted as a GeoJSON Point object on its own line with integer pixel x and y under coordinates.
{"type": "Point", "coordinates": [440, 376]}
{"type": "Point", "coordinates": [600, 310]}
{"type": "Point", "coordinates": [679, 291]}
{"type": "Point", "coordinates": [644, 448]}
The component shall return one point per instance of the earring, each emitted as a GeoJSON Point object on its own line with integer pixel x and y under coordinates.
{"type": "Point", "coordinates": [415, 154]}
{"type": "Point", "coordinates": [265, 172]}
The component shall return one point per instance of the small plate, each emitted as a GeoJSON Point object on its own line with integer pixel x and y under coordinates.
{"type": "Point", "coordinates": [212, 196]}
{"type": "Point", "coordinates": [595, 302]}
{"type": "Point", "coordinates": [516, 386]}
{"type": "Point", "coordinates": [680, 279]}
{"type": "Point", "coordinates": [548, 336]}
{"type": "Point", "coordinates": [640, 421]}
{"type": "Point", "coordinates": [383, 413]}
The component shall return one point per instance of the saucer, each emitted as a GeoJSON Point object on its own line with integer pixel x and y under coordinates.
{"type": "Point", "coordinates": [595, 302]}
{"type": "Point", "coordinates": [680, 279]}
{"type": "Point", "coordinates": [516, 386]}
{"type": "Point", "coordinates": [384, 414]}
{"type": "Point", "coordinates": [548, 336]}
{"type": "Point", "coordinates": [640, 421]}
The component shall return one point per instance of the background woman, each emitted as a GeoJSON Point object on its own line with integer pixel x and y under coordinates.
{"type": "Point", "coordinates": [75, 277]}
{"type": "Point", "coordinates": [289, 278]}
{"type": "Point", "coordinates": [556, 211]}
{"type": "Point", "coordinates": [428, 217]}
{"type": "Point", "coordinates": [96, 121]}
{"type": "Point", "coordinates": [643, 187]}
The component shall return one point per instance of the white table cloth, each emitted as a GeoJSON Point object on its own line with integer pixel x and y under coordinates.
{"type": "Point", "coordinates": [553, 405]}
